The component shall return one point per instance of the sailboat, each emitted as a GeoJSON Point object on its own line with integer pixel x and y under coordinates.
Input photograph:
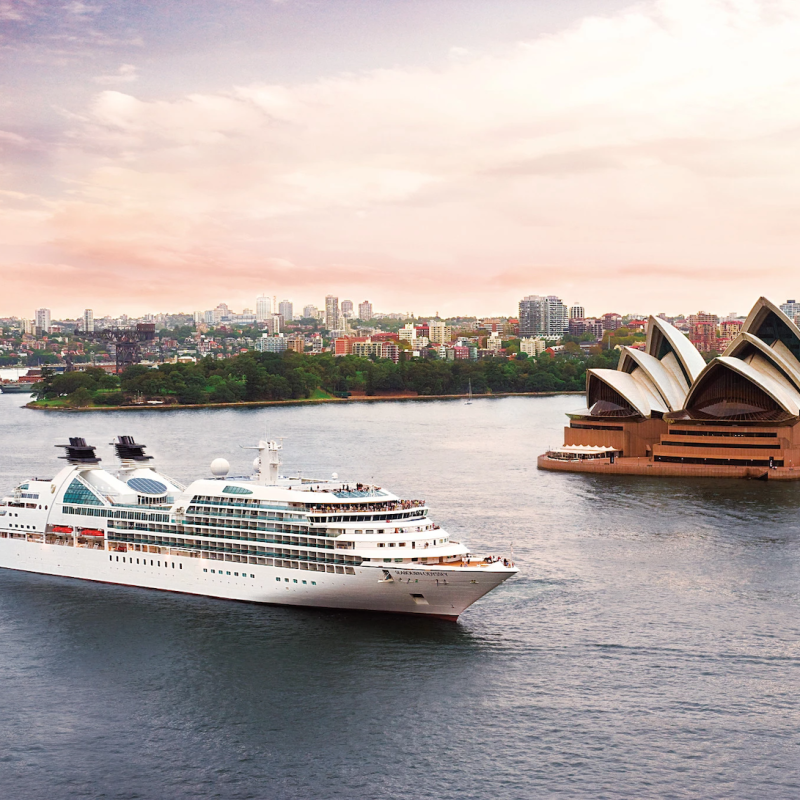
{"type": "Point", "coordinates": [469, 396]}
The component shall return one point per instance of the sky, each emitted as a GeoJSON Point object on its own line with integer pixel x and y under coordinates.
{"type": "Point", "coordinates": [427, 155]}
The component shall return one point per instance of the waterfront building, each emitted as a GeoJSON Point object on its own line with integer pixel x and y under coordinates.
{"type": "Point", "coordinates": [286, 310]}
{"type": "Point", "coordinates": [42, 318]}
{"type": "Point", "coordinates": [263, 308]}
{"type": "Point", "coordinates": [365, 311]}
{"type": "Point", "coordinates": [664, 411]}
{"type": "Point", "coordinates": [331, 312]}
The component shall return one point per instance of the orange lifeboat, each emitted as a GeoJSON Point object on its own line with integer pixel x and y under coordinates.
{"type": "Point", "coordinates": [91, 532]}
{"type": "Point", "coordinates": [62, 529]}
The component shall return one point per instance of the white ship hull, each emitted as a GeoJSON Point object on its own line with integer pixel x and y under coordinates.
{"type": "Point", "coordinates": [441, 592]}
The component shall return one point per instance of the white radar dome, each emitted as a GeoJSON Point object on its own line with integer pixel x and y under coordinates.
{"type": "Point", "coordinates": [256, 462]}
{"type": "Point", "coordinates": [220, 467]}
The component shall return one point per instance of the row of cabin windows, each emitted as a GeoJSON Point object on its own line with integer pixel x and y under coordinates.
{"type": "Point", "coordinates": [294, 580]}
{"type": "Point", "coordinates": [144, 561]}
{"type": "Point", "coordinates": [207, 547]}
{"type": "Point", "coordinates": [226, 511]}
{"type": "Point", "coordinates": [227, 572]}
{"type": "Point", "coordinates": [112, 513]}
{"type": "Point", "coordinates": [122, 534]}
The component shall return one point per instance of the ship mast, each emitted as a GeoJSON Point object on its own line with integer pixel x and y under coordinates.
{"type": "Point", "coordinates": [267, 462]}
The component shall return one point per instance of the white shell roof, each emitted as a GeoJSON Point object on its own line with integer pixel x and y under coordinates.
{"type": "Point", "coordinates": [768, 380]}
{"type": "Point", "coordinates": [759, 310]}
{"type": "Point", "coordinates": [778, 353]}
{"type": "Point", "coordinates": [643, 400]}
{"type": "Point", "coordinates": [686, 352]}
{"type": "Point", "coordinates": [672, 392]}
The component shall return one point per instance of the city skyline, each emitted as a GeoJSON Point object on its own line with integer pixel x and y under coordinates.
{"type": "Point", "coordinates": [591, 150]}
{"type": "Point", "coordinates": [263, 311]}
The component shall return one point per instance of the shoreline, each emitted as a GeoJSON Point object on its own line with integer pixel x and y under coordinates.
{"type": "Point", "coordinates": [305, 401]}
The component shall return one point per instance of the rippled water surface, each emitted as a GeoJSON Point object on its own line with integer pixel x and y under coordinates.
{"type": "Point", "coordinates": [648, 647]}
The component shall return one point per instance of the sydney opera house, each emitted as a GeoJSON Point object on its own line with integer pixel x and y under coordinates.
{"type": "Point", "coordinates": [664, 411]}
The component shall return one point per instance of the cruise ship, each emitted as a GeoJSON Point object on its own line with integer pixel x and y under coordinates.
{"type": "Point", "coordinates": [263, 538]}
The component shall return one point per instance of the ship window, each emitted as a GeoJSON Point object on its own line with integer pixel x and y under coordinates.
{"type": "Point", "coordinates": [159, 563]}
{"type": "Point", "coordinates": [313, 583]}
{"type": "Point", "coordinates": [227, 573]}
{"type": "Point", "coordinates": [305, 581]}
{"type": "Point", "coordinates": [236, 574]}
{"type": "Point", "coordinates": [294, 580]}
{"type": "Point", "coordinates": [79, 493]}
{"type": "Point", "coordinates": [111, 558]}
{"type": "Point", "coordinates": [117, 558]}
{"type": "Point", "coordinates": [286, 579]}
{"type": "Point", "coordinates": [173, 565]}
{"type": "Point", "coordinates": [180, 566]}
{"type": "Point", "coordinates": [252, 576]}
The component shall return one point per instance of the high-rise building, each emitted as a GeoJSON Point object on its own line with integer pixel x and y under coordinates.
{"type": "Point", "coordinates": [703, 331]}
{"type": "Point", "coordinates": [263, 308]}
{"type": "Point", "coordinates": [88, 321]}
{"type": "Point", "coordinates": [199, 317]}
{"type": "Point", "coordinates": [331, 312]}
{"type": "Point", "coordinates": [347, 308]}
{"type": "Point", "coordinates": [408, 333]}
{"type": "Point", "coordinates": [791, 308]}
{"type": "Point", "coordinates": [440, 332]}
{"type": "Point", "coordinates": [43, 319]}
{"type": "Point", "coordinates": [365, 310]}
{"type": "Point", "coordinates": [543, 316]}
{"type": "Point", "coordinates": [286, 310]}
{"type": "Point", "coordinates": [29, 326]}
{"type": "Point", "coordinates": [577, 312]}
{"type": "Point", "coordinates": [309, 312]}
{"type": "Point", "coordinates": [209, 317]}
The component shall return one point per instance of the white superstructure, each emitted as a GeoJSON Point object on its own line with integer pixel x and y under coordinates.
{"type": "Point", "coordinates": [264, 538]}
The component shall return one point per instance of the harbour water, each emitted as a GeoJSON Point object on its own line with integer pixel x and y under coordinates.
{"type": "Point", "coordinates": [650, 646]}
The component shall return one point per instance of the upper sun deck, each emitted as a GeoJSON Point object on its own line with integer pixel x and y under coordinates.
{"type": "Point", "coordinates": [317, 499]}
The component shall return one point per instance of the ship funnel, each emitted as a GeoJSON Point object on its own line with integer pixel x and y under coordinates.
{"type": "Point", "coordinates": [128, 450]}
{"type": "Point", "coordinates": [78, 452]}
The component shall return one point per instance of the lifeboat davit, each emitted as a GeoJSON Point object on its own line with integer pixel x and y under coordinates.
{"type": "Point", "coordinates": [62, 529]}
{"type": "Point", "coordinates": [91, 532]}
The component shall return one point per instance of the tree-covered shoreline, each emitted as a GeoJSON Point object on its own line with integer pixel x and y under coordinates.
{"type": "Point", "coordinates": [261, 377]}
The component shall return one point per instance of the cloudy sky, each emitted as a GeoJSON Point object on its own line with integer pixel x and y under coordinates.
{"type": "Point", "coordinates": [449, 155]}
